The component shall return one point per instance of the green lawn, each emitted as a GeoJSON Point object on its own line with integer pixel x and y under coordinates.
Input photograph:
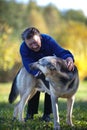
{"type": "Point", "coordinates": [79, 112]}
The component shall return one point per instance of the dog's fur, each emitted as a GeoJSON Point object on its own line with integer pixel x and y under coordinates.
{"type": "Point", "coordinates": [63, 83]}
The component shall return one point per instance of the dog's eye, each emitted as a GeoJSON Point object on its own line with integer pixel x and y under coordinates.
{"type": "Point", "coordinates": [50, 66]}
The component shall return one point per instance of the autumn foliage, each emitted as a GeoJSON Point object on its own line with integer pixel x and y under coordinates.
{"type": "Point", "coordinates": [68, 29]}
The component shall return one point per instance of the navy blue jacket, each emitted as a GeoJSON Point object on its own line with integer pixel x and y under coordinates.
{"type": "Point", "coordinates": [49, 47]}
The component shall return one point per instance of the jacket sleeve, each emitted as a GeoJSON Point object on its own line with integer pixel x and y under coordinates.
{"type": "Point", "coordinates": [57, 50]}
{"type": "Point", "coordinates": [26, 59]}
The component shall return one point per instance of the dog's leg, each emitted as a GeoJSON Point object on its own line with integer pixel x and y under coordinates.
{"type": "Point", "coordinates": [15, 114]}
{"type": "Point", "coordinates": [70, 103]}
{"type": "Point", "coordinates": [19, 107]}
{"type": "Point", "coordinates": [17, 110]}
{"type": "Point", "coordinates": [23, 101]}
{"type": "Point", "coordinates": [54, 100]}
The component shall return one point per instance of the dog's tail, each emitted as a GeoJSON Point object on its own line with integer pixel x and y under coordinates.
{"type": "Point", "coordinates": [14, 91]}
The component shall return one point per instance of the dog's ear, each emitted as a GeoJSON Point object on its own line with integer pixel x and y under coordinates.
{"type": "Point", "coordinates": [61, 64]}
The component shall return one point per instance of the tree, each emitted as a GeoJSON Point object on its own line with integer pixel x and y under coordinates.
{"type": "Point", "coordinates": [75, 15]}
{"type": "Point", "coordinates": [35, 18]}
{"type": "Point", "coordinates": [52, 18]}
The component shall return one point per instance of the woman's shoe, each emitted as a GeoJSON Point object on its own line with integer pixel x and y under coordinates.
{"type": "Point", "coordinates": [46, 118]}
{"type": "Point", "coordinates": [29, 117]}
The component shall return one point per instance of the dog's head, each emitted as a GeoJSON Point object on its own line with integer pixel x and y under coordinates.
{"type": "Point", "coordinates": [50, 65]}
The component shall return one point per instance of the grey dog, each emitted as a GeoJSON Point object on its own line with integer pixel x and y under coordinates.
{"type": "Point", "coordinates": [63, 83]}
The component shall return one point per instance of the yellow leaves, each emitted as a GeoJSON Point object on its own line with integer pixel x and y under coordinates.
{"type": "Point", "coordinates": [9, 30]}
{"type": "Point", "coordinates": [9, 55]}
{"type": "Point", "coordinates": [82, 67]}
{"type": "Point", "coordinates": [4, 36]}
{"type": "Point", "coordinates": [81, 62]}
{"type": "Point", "coordinates": [8, 58]}
{"type": "Point", "coordinates": [8, 48]}
{"type": "Point", "coordinates": [79, 51]}
{"type": "Point", "coordinates": [37, 20]}
{"type": "Point", "coordinates": [76, 41]}
{"type": "Point", "coordinates": [5, 31]}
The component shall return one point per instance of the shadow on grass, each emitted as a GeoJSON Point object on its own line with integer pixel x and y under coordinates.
{"type": "Point", "coordinates": [79, 118]}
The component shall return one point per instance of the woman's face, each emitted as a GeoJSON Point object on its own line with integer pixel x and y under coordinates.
{"type": "Point", "coordinates": [34, 43]}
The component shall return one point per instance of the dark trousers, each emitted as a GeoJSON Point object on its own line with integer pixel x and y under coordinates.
{"type": "Point", "coordinates": [34, 102]}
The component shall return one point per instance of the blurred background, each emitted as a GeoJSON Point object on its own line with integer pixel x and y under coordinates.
{"type": "Point", "coordinates": [68, 27]}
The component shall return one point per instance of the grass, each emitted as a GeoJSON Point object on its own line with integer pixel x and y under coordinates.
{"type": "Point", "coordinates": [79, 112]}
